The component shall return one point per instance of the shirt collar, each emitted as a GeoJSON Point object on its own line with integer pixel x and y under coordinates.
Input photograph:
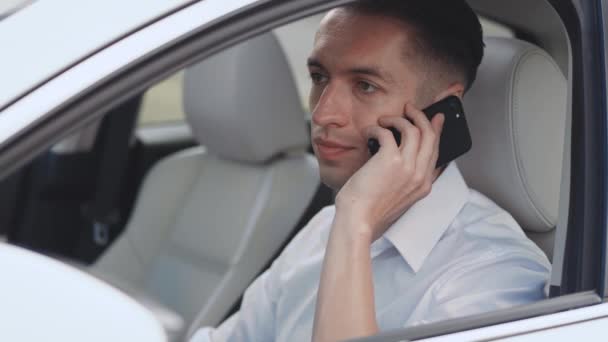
{"type": "Point", "coordinates": [419, 229]}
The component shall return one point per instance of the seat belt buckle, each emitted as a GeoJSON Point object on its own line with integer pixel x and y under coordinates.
{"type": "Point", "coordinates": [101, 233]}
{"type": "Point", "coordinates": [102, 224]}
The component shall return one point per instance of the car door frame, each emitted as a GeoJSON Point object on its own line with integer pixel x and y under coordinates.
{"type": "Point", "coordinates": [585, 264]}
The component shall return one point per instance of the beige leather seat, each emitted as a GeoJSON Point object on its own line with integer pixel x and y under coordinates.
{"type": "Point", "coordinates": [516, 112]}
{"type": "Point", "coordinates": [208, 219]}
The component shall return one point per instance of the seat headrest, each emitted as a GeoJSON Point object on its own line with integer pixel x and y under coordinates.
{"type": "Point", "coordinates": [516, 111]}
{"type": "Point", "coordinates": [242, 103]}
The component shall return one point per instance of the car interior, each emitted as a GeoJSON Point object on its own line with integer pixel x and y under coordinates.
{"type": "Point", "coordinates": [183, 214]}
{"type": "Point", "coordinates": [213, 216]}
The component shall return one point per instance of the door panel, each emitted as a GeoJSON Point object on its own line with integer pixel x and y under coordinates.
{"type": "Point", "coordinates": [586, 324]}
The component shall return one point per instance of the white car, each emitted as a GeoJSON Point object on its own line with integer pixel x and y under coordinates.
{"type": "Point", "coordinates": [143, 187]}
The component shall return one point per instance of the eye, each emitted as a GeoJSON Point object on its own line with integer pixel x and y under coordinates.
{"type": "Point", "coordinates": [318, 78]}
{"type": "Point", "coordinates": [367, 87]}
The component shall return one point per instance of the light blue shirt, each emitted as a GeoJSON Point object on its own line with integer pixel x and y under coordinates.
{"type": "Point", "coordinates": [454, 253]}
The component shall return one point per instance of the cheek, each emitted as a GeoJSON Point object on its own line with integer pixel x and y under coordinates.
{"type": "Point", "coordinates": [367, 114]}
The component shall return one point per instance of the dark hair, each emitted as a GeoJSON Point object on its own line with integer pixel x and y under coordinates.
{"type": "Point", "coordinates": [446, 31]}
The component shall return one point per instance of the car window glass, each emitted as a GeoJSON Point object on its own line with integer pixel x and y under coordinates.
{"type": "Point", "coordinates": [163, 102]}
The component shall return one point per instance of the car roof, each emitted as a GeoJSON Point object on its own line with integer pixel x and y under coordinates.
{"type": "Point", "coordinates": [50, 36]}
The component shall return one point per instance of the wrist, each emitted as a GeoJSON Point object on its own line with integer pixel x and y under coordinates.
{"type": "Point", "coordinates": [353, 229]}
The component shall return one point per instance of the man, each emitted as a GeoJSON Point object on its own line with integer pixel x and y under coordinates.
{"type": "Point", "coordinates": [405, 243]}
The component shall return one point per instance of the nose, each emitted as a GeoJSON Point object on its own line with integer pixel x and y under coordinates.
{"type": "Point", "coordinates": [331, 108]}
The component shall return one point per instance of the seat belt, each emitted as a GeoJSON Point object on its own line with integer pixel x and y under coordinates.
{"type": "Point", "coordinates": [561, 230]}
{"type": "Point", "coordinates": [112, 149]}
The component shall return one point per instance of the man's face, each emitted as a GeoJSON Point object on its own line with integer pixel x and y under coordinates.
{"type": "Point", "coordinates": [359, 73]}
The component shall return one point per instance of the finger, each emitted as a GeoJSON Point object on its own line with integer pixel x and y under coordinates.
{"type": "Point", "coordinates": [410, 136]}
{"type": "Point", "coordinates": [384, 136]}
{"type": "Point", "coordinates": [437, 123]}
{"type": "Point", "coordinates": [428, 139]}
{"type": "Point", "coordinates": [418, 118]}
{"type": "Point", "coordinates": [400, 123]}
{"type": "Point", "coordinates": [428, 134]}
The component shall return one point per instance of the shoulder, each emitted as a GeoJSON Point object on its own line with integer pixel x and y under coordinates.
{"type": "Point", "coordinates": [484, 262]}
{"type": "Point", "coordinates": [491, 251]}
{"type": "Point", "coordinates": [492, 229]}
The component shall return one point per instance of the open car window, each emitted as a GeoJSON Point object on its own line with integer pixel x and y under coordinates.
{"type": "Point", "coordinates": [158, 105]}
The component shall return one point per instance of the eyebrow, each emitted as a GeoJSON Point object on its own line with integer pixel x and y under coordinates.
{"type": "Point", "coordinates": [363, 70]}
{"type": "Point", "coordinates": [313, 62]}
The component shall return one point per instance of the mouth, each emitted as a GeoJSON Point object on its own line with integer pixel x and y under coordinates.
{"type": "Point", "coordinates": [330, 150]}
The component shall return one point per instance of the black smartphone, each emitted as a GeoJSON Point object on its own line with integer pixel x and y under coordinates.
{"type": "Point", "coordinates": [455, 138]}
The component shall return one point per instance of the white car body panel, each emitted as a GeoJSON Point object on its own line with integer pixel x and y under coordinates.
{"type": "Point", "coordinates": [588, 331]}
{"type": "Point", "coordinates": [93, 69]}
{"type": "Point", "coordinates": [9, 6]}
{"type": "Point", "coordinates": [49, 36]}
{"type": "Point", "coordinates": [45, 300]}
{"type": "Point", "coordinates": [568, 325]}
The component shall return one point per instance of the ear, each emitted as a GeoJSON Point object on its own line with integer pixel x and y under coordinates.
{"type": "Point", "coordinates": [456, 89]}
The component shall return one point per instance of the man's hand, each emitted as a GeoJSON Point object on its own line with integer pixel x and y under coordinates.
{"type": "Point", "coordinates": [375, 196]}
{"type": "Point", "coordinates": [397, 176]}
